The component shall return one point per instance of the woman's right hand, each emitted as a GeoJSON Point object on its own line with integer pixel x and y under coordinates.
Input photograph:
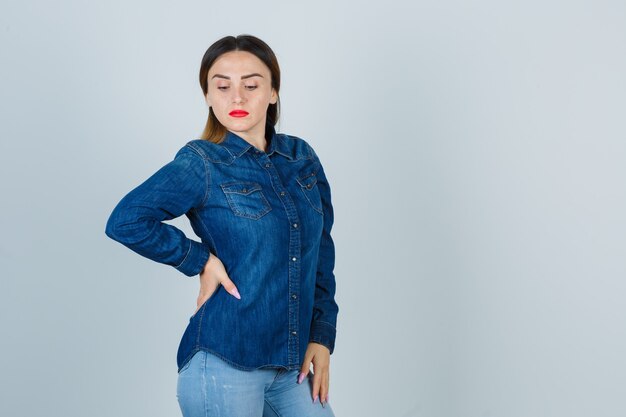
{"type": "Point", "coordinates": [211, 277]}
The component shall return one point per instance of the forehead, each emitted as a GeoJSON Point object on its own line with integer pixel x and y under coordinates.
{"type": "Point", "coordinates": [238, 63]}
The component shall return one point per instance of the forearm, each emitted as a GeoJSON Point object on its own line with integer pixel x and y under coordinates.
{"type": "Point", "coordinates": [325, 308]}
{"type": "Point", "coordinates": [143, 233]}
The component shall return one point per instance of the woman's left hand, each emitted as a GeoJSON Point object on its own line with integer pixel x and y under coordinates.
{"type": "Point", "coordinates": [319, 355]}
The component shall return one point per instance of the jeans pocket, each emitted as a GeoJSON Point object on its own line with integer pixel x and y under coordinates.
{"type": "Point", "coordinates": [246, 199]}
{"type": "Point", "coordinates": [189, 362]}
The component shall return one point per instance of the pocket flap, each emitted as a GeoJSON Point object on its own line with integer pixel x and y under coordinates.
{"type": "Point", "coordinates": [307, 181]}
{"type": "Point", "coordinates": [244, 188]}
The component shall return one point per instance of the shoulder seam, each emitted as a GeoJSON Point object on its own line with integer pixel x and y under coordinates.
{"type": "Point", "coordinates": [308, 147]}
{"type": "Point", "coordinates": [196, 149]}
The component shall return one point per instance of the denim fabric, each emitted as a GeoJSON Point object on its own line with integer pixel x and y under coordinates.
{"type": "Point", "coordinates": [268, 217]}
{"type": "Point", "coordinates": [209, 387]}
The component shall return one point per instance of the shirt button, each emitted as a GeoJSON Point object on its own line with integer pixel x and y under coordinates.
{"type": "Point", "coordinates": [282, 193]}
{"type": "Point", "coordinates": [267, 165]}
{"type": "Point", "coordinates": [295, 225]}
{"type": "Point", "coordinates": [294, 333]}
{"type": "Point", "coordinates": [293, 259]}
{"type": "Point", "coordinates": [294, 296]}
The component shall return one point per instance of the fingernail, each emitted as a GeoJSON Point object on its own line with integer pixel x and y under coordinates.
{"type": "Point", "coordinates": [301, 377]}
{"type": "Point", "coordinates": [323, 405]}
{"type": "Point", "coordinates": [315, 399]}
{"type": "Point", "coordinates": [236, 293]}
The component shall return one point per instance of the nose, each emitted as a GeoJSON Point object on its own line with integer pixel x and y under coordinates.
{"type": "Point", "coordinates": [239, 95]}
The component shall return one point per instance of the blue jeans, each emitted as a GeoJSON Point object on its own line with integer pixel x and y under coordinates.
{"type": "Point", "coordinates": [210, 387]}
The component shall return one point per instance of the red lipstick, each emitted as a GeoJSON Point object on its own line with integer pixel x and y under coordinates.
{"type": "Point", "coordinates": [238, 113]}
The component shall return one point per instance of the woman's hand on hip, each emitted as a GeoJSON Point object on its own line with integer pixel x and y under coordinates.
{"type": "Point", "coordinates": [319, 355]}
{"type": "Point", "coordinates": [211, 277]}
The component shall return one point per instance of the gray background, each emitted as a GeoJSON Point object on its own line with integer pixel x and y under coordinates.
{"type": "Point", "coordinates": [476, 157]}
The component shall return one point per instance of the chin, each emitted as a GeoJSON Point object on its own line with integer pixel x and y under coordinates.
{"type": "Point", "coordinates": [231, 123]}
{"type": "Point", "coordinates": [240, 127]}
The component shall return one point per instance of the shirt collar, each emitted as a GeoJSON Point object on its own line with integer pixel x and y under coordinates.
{"type": "Point", "coordinates": [237, 145]}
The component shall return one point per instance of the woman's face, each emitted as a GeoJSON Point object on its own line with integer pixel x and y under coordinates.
{"type": "Point", "coordinates": [240, 90]}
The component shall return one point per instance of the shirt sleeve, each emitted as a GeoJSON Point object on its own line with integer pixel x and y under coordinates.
{"type": "Point", "coordinates": [325, 309]}
{"type": "Point", "coordinates": [137, 220]}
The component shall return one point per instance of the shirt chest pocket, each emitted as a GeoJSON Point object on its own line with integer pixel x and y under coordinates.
{"type": "Point", "coordinates": [246, 199]}
{"type": "Point", "coordinates": [308, 187]}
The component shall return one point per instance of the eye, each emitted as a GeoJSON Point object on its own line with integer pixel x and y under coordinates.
{"type": "Point", "coordinates": [251, 87]}
{"type": "Point", "coordinates": [223, 88]}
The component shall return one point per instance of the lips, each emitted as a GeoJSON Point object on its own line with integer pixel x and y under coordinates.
{"type": "Point", "coordinates": [238, 113]}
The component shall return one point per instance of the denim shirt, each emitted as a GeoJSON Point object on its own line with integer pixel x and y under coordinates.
{"type": "Point", "coordinates": [268, 217]}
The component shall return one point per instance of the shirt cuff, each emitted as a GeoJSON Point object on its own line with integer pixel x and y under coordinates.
{"type": "Point", "coordinates": [324, 334]}
{"type": "Point", "coordinates": [195, 260]}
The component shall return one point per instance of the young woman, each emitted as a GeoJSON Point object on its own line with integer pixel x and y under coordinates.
{"type": "Point", "coordinates": [261, 204]}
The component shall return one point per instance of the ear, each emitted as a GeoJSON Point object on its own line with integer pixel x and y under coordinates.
{"type": "Point", "coordinates": [207, 99]}
{"type": "Point", "coordinates": [273, 97]}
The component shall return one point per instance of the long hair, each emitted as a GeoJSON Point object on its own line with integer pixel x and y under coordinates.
{"type": "Point", "coordinates": [214, 131]}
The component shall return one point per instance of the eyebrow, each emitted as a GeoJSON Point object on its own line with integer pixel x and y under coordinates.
{"type": "Point", "coordinates": [243, 77]}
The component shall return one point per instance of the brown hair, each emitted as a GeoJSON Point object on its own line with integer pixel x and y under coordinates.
{"type": "Point", "coordinates": [214, 131]}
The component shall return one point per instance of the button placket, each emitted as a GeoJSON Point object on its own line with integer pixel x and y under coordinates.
{"type": "Point", "coordinates": [295, 248]}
